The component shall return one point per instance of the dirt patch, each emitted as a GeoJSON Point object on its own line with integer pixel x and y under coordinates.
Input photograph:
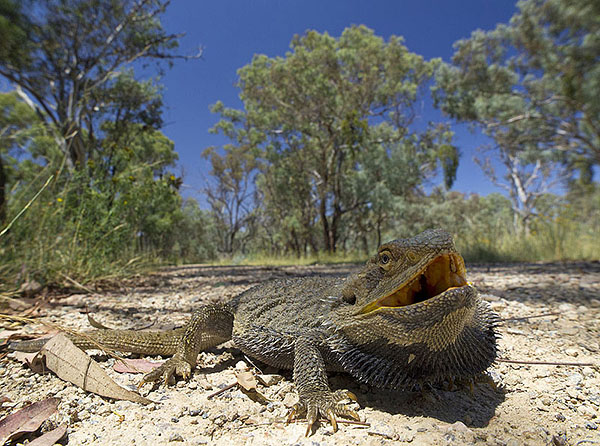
{"type": "Point", "coordinates": [533, 404]}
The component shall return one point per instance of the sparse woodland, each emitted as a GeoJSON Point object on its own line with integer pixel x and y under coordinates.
{"type": "Point", "coordinates": [326, 159]}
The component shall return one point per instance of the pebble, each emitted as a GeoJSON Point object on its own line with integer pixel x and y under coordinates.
{"type": "Point", "coordinates": [574, 379]}
{"type": "Point", "coordinates": [241, 365]}
{"type": "Point", "coordinates": [459, 427]}
{"type": "Point", "coordinates": [588, 372]}
{"type": "Point", "coordinates": [591, 425]}
{"type": "Point", "coordinates": [594, 399]}
{"type": "Point", "coordinates": [586, 411]}
{"type": "Point", "coordinates": [559, 440]}
{"type": "Point", "coordinates": [406, 437]}
{"type": "Point", "coordinates": [175, 437]}
{"type": "Point", "coordinates": [572, 352]}
{"type": "Point", "coordinates": [290, 400]}
{"type": "Point", "coordinates": [383, 430]}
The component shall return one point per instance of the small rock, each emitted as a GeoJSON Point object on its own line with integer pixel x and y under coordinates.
{"type": "Point", "coordinates": [560, 417]}
{"type": "Point", "coordinates": [491, 297]}
{"type": "Point", "coordinates": [241, 365]}
{"type": "Point", "coordinates": [421, 429]}
{"type": "Point", "coordinates": [591, 425]}
{"type": "Point", "coordinates": [572, 352]}
{"type": "Point", "coordinates": [547, 401]}
{"type": "Point", "coordinates": [559, 440]}
{"type": "Point", "coordinates": [565, 307]}
{"type": "Point", "coordinates": [588, 372]}
{"type": "Point", "coordinates": [30, 288]}
{"type": "Point", "coordinates": [594, 399]}
{"type": "Point", "coordinates": [574, 393]}
{"type": "Point", "coordinates": [290, 400]}
{"type": "Point", "coordinates": [459, 427]}
{"type": "Point", "coordinates": [175, 437]}
{"type": "Point", "coordinates": [193, 385]}
{"type": "Point", "coordinates": [406, 437]}
{"type": "Point", "coordinates": [586, 411]}
{"type": "Point", "coordinates": [383, 430]}
{"type": "Point", "coordinates": [574, 379]}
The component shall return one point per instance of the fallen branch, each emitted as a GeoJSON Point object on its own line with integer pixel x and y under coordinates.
{"type": "Point", "coordinates": [223, 390]}
{"type": "Point", "coordinates": [575, 364]}
{"type": "Point", "coordinates": [77, 284]}
{"type": "Point", "coordinates": [529, 317]}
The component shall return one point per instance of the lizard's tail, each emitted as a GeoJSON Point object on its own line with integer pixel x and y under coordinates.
{"type": "Point", "coordinates": [143, 342]}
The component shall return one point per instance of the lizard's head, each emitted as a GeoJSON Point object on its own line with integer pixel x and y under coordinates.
{"type": "Point", "coordinates": [411, 311]}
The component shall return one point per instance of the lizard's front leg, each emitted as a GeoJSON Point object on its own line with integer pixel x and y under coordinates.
{"type": "Point", "coordinates": [209, 326]}
{"type": "Point", "coordinates": [313, 390]}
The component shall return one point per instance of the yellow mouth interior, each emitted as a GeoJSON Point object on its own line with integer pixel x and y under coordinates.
{"type": "Point", "coordinates": [443, 273]}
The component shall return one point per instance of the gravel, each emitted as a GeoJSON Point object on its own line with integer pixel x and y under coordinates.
{"type": "Point", "coordinates": [532, 405]}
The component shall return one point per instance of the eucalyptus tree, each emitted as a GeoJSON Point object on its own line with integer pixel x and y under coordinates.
{"type": "Point", "coordinates": [321, 104]}
{"type": "Point", "coordinates": [72, 57]}
{"type": "Point", "coordinates": [532, 85]}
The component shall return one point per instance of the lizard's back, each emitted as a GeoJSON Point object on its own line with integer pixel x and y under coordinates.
{"type": "Point", "coordinates": [271, 316]}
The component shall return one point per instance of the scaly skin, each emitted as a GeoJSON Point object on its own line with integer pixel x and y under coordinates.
{"type": "Point", "coordinates": [361, 325]}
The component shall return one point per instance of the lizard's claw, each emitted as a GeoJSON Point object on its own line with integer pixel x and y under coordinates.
{"type": "Point", "coordinates": [327, 404]}
{"type": "Point", "coordinates": [173, 367]}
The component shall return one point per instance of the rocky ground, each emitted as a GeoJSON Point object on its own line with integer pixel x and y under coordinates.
{"type": "Point", "coordinates": [532, 404]}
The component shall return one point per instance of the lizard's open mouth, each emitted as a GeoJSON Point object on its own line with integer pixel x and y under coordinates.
{"type": "Point", "coordinates": [443, 273]}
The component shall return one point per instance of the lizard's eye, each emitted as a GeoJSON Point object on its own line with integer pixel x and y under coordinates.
{"type": "Point", "coordinates": [385, 258]}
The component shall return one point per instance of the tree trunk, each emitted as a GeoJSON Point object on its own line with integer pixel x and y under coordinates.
{"type": "Point", "coordinates": [2, 192]}
{"type": "Point", "coordinates": [326, 230]}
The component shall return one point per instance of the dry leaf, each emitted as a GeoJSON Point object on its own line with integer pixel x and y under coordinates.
{"type": "Point", "coordinates": [135, 366]}
{"type": "Point", "coordinates": [269, 380]}
{"type": "Point", "coordinates": [246, 380]}
{"type": "Point", "coordinates": [50, 438]}
{"type": "Point", "coordinates": [94, 323]}
{"type": "Point", "coordinates": [28, 419]}
{"type": "Point", "coordinates": [25, 358]}
{"type": "Point", "coordinates": [73, 365]}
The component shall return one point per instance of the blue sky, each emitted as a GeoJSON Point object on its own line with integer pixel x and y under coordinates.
{"type": "Point", "coordinates": [231, 32]}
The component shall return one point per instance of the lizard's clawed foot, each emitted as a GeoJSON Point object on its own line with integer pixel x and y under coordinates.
{"type": "Point", "coordinates": [173, 367]}
{"type": "Point", "coordinates": [327, 404]}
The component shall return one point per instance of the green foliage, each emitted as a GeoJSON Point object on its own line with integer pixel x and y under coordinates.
{"type": "Point", "coordinates": [80, 116]}
{"type": "Point", "coordinates": [320, 116]}
{"type": "Point", "coordinates": [72, 67]}
{"type": "Point", "coordinates": [532, 84]}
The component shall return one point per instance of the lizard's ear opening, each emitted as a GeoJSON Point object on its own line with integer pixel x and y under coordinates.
{"type": "Point", "coordinates": [348, 296]}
